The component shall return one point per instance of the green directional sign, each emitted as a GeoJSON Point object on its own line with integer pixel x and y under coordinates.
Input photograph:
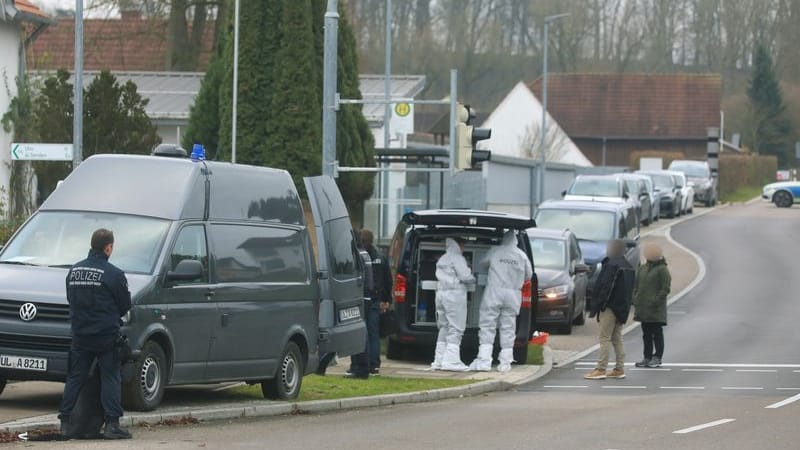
{"type": "Point", "coordinates": [40, 152]}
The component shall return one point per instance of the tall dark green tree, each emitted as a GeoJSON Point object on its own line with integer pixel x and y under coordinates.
{"type": "Point", "coordinates": [772, 127]}
{"type": "Point", "coordinates": [280, 95]}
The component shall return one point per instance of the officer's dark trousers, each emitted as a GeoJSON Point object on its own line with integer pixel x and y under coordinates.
{"type": "Point", "coordinates": [81, 356]}
{"type": "Point", "coordinates": [362, 363]}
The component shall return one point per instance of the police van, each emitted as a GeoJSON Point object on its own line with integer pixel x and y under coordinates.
{"type": "Point", "coordinates": [219, 260]}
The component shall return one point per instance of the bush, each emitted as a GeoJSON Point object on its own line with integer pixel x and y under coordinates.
{"type": "Point", "coordinates": [667, 157]}
{"type": "Point", "coordinates": [745, 170]}
{"type": "Point", "coordinates": [7, 229]}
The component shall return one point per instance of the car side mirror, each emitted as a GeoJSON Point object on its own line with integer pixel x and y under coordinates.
{"type": "Point", "coordinates": [631, 243]}
{"type": "Point", "coordinates": [186, 270]}
{"type": "Point", "coordinates": [563, 193]}
{"type": "Point", "coordinates": [581, 268]}
{"type": "Point", "coordinates": [626, 196]}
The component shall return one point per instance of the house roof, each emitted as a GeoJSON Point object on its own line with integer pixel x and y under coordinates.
{"type": "Point", "coordinates": [129, 43]}
{"type": "Point", "coordinates": [372, 87]}
{"type": "Point", "coordinates": [171, 94]}
{"type": "Point", "coordinates": [637, 106]}
{"type": "Point", "coordinates": [22, 11]}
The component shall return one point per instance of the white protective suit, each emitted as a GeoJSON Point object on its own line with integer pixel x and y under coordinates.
{"type": "Point", "coordinates": [509, 268]}
{"type": "Point", "coordinates": [452, 275]}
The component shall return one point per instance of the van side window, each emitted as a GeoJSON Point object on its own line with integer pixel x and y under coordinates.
{"type": "Point", "coordinates": [258, 254]}
{"type": "Point", "coordinates": [191, 244]}
{"type": "Point", "coordinates": [342, 249]}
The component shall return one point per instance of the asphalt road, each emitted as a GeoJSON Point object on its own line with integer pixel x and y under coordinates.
{"type": "Point", "coordinates": [732, 377]}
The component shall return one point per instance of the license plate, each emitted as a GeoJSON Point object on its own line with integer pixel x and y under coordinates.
{"type": "Point", "coordinates": [23, 363]}
{"type": "Point", "coordinates": [349, 313]}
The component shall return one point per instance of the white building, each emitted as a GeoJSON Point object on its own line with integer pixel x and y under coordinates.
{"type": "Point", "coordinates": [14, 14]}
{"type": "Point", "coordinates": [516, 131]}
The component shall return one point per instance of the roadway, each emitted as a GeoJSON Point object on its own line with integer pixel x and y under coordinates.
{"type": "Point", "coordinates": [731, 378]}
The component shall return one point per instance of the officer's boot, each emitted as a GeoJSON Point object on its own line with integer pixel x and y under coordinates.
{"type": "Point", "coordinates": [114, 430]}
{"type": "Point", "coordinates": [65, 429]}
{"type": "Point", "coordinates": [452, 359]}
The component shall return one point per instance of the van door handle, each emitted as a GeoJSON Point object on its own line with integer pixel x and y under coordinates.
{"type": "Point", "coordinates": [210, 293]}
{"type": "Point", "coordinates": [225, 319]}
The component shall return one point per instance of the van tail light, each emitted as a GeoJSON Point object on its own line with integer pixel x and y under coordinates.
{"type": "Point", "coordinates": [399, 290]}
{"type": "Point", "coordinates": [527, 290]}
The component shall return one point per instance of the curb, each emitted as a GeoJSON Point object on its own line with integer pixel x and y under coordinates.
{"type": "Point", "coordinates": [316, 406]}
{"type": "Point", "coordinates": [701, 274]}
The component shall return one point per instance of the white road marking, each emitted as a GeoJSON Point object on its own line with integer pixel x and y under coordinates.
{"type": "Point", "coordinates": [703, 426]}
{"type": "Point", "coordinates": [647, 369]}
{"type": "Point", "coordinates": [784, 402]}
{"type": "Point", "coordinates": [787, 389]}
{"type": "Point", "coordinates": [624, 387]}
{"type": "Point", "coordinates": [757, 370]}
{"type": "Point", "coordinates": [696, 388]}
{"type": "Point", "coordinates": [701, 370]}
{"type": "Point", "coordinates": [565, 387]}
{"type": "Point", "coordinates": [742, 388]}
{"type": "Point", "coordinates": [796, 371]}
{"type": "Point", "coordinates": [716, 365]}
{"type": "Point", "coordinates": [680, 313]}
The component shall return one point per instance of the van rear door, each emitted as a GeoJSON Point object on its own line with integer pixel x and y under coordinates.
{"type": "Point", "coordinates": [341, 276]}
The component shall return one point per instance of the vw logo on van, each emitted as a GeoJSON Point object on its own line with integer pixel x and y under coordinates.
{"type": "Point", "coordinates": [27, 312]}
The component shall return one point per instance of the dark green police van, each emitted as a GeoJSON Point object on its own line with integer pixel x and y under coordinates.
{"type": "Point", "coordinates": [221, 269]}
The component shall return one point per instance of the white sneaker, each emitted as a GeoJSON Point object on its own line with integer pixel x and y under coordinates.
{"type": "Point", "coordinates": [504, 368]}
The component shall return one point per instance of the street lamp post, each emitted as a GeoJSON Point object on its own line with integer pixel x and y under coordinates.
{"type": "Point", "coordinates": [235, 99]}
{"type": "Point", "coordinates": [542, 150]}
{"type": "Point", "coordinates": [77, 113]}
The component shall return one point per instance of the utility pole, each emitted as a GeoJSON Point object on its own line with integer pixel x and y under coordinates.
{"type": "Point", "coordinates": [329, 83]}
{"type": "Point", "coordinates": [235, 102]}
{"type": "Point", "coordinates": [387, 112]}
{"type": "Point", "coordinates": [542, 155]}
{"type": "Point", "coordinates": [77, 116]}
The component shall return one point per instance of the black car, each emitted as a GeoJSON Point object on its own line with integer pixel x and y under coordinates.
{"type": "Point", "coordinates": [671, 193]}
{"type": "Point", "coordinates": [594, 224]}
{"type": "Point", "coordinates": [563, 278]}
{"type": "Point", "coordinates": [418, 243]}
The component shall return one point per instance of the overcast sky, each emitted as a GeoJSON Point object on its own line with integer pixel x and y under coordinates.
{"type": "Point", "coordinates": [51, 5]}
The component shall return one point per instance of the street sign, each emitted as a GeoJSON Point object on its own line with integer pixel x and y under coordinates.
{"type": "Point", "coordinates": [41, 152]}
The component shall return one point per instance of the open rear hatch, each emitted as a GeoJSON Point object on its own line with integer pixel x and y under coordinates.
{"type": "Point", "coordinates": [469, 218]}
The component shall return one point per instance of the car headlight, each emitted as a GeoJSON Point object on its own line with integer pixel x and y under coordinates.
{"type": "Point", "coordinates": [555, 292]}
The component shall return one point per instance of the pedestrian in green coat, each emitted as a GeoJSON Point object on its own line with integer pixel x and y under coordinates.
{"type": "Point", "coordinates": [650, 300]}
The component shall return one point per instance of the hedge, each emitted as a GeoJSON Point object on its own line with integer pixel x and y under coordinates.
{"type": "Point", "coordinates": [745, 170]}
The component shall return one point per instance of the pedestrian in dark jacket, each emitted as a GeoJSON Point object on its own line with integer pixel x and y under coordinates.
{"type": "Point", "coordinates": [653, 283]}
{"type": "Point", "coordinates": [98, 296]}
{"type": "Point", "coordinates": [611, 304]}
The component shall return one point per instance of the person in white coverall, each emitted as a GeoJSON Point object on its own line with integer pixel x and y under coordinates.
{"type": "Point", "coordinates": [509, 268]}
{"type": "Point", "coordinates": [453, 275]}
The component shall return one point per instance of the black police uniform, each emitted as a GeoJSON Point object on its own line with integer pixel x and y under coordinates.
{"type": "Point", "coordinates": [98, 296]}
{"type": "Point", "coordinates": [382, 292]}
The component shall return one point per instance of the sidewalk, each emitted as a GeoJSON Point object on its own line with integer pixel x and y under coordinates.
{"type": "Point", "coordinates": [484, 382]}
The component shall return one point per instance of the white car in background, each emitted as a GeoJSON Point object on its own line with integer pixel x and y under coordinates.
{"type": "Point", "coordinates": [687, 191]}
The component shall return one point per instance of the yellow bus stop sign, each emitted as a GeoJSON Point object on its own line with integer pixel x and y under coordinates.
{"type": "Point", "coordinates": [402, 109]}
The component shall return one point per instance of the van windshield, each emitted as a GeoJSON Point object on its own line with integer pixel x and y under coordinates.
{"type": "Point", "coordinates": [61, 238]}
{"type": "Point", "coordinates": [586, 224]}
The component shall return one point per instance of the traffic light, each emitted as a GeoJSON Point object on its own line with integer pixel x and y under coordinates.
{"type": "Point", "coordinates": [467, 136]}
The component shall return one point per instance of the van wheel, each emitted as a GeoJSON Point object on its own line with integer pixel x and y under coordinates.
{"type": "Point", "coordinates": [521, 354]}
{"type": "Point", "coordinates": [2, 385]}
{"type": "Point", "coordinates": [394, 350]}
{"type": "Point", "coordinates": [287, 382]}
{"type": "Point", "coordinates": [146, 390]}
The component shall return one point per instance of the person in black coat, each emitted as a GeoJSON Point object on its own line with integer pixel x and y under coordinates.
{"type": "Point", "coordinates": [611, 304]}
{"type": "Point", "coordinates": [98, 297]}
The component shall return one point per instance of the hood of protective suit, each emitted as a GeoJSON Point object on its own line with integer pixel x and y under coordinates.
{"type": "Point", "coordinates": [452, 247]}
{"type": "Point", "coordinates": [509, 239]}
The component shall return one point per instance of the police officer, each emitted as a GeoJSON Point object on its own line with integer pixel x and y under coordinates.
{"type": "Point", "coordinates": [98, 296]}
{"type": "Point", "coordinates": [381, 296]}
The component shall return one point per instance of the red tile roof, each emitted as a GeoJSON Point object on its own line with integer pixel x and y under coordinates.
{"type": "Point", "coordinates": [27, 7]}
{"type": "Point", "coordinates": [633, 105]}
{"type": "Point", "coordinates": [129, 44]}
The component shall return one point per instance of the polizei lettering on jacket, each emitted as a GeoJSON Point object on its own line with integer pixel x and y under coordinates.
{"type": "Point", "coordinates": [86, 276]}
{"type": "Point", "coordinates": [512, 262]}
